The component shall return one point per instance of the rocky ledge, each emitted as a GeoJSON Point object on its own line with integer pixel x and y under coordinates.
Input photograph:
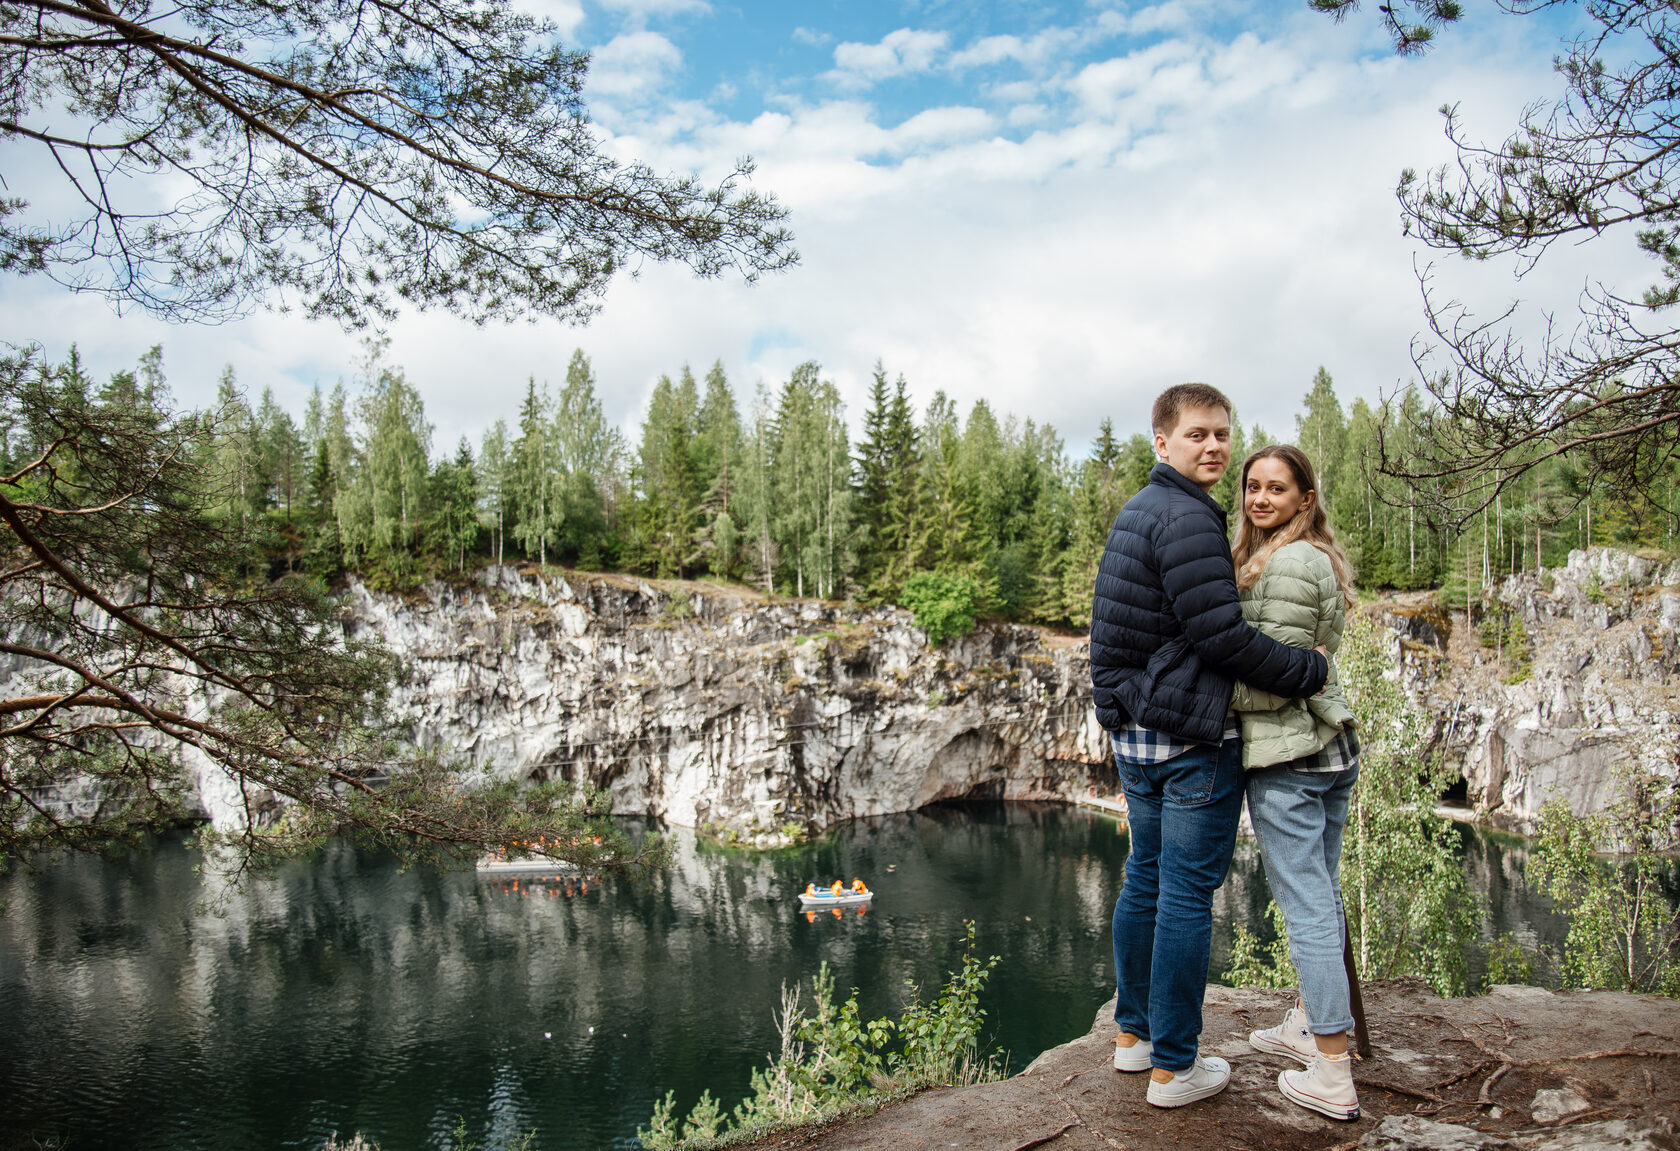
{"type": "Point", "coordinates": [1520, 1069]}
{"type": "Point", "coordinates": [764, 719]}
{"type": "Point", "coordinates": [716, 708]}
{"type": "Point", "coordinates": [1587, 684]}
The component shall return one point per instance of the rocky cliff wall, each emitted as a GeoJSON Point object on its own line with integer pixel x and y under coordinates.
{"type": "Point", "coordinates": [715, 708]}
{"type": "Point", "coordinates": [1596, 689]}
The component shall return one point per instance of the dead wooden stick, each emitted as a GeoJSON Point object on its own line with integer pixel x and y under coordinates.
{"type": "Point", "coordinates": [1362, 1033]}
{"type": "Point", "coordinates": [1484, 1097]}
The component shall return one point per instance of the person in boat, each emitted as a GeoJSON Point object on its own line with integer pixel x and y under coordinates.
{"type": "Point", "coordinates": [1168, 640]}
{"type": "Point", "coordinates": [858, 888]}
{"type": "Point", "coordinates": [837, 889]}
{"type": "Point", "coordinates": [1302, 758]}
{"type": "Point", "coordinates": [811, 889]}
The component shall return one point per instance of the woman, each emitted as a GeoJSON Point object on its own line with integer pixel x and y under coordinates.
{"type": "Point", "coordinates": [1302, 756]}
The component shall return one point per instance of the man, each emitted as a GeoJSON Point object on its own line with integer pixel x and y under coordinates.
{"type": "Point", "coordinates": [1167, 641]}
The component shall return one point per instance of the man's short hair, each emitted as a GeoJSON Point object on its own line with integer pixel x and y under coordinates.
{"type": "Point", "coordinates": [1170, 404]}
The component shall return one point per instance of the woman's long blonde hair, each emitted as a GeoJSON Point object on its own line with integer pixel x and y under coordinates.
{"type": "Point", "coordinates": [1254, 547]}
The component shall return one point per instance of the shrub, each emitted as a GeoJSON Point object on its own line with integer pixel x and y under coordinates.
{"type": "Point", "coordinates": [1256, 963]}
{"type": "Point", "coordinates": [943, 604]}
{"type": "Point", "coordinates": [1409, 908]}
{"type": "Point", "coordinates": [1624, 934]}
{"type": "Point", "coordinates": [1508, 961]}
{"type": "Point", "coordinates": [832, 1061]}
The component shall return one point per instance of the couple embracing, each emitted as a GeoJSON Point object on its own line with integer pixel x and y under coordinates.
{"type": "Point", "coordinates": [1210, 666]}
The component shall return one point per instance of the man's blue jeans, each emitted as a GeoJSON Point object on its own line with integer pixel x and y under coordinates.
{"type": "Point", "coordinates": [1298, 818]}
{"type": "Point", "coordinates": [1183, 817]}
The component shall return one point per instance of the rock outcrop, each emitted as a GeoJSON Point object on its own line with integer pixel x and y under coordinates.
{"type": "Point", "coordinates": [1587, 685]}
{"type": "Point", "coordinates": [766, 719]}
{"type": "Point", "coordinates": [714, 708]}
{"type": "Point", "coordinates": [1452, 1074]}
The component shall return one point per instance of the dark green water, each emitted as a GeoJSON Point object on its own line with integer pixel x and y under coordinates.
{"type": "Point", "coordinates": [339, 994]}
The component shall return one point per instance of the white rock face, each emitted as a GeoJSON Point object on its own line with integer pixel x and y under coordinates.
{"type": "Point", "coordinates": [716, 708]}
{"type": "Point", "coordinates": [720, 709]}
{"type": "Point", "coordinates": [1602, 693]}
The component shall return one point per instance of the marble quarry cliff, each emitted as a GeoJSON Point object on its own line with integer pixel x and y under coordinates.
{"type": "Point", "coordinates": [715, 708]}
{"type": "Point", "coordinates": [765, 719]}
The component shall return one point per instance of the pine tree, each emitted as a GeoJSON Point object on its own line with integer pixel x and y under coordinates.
{"type": "Point", "coordinates": [876, 477]}
{"type": "Point", "coordinates": [495, 483]}
{"type": "Point", "coordinates": [282, 455]}
{"type": "Point", "coordinates": [670, 481]}
{"type": "Point", "coordinates": [755, 498]}
{"type": "Point", "coordinates": [590, 453]}
{"type": "Point", "coordinates": [718, 449]}
{"type": "Point", "coordinates": [393, 478]}
{"type": "Point", "coordinates": [945, 542]}
{"type": "Point", "coordinates": [532, 484]}
{"type": "Point", "coordinates": [237, 461]}
{"type": "Point", "coordinates": [452, 527]}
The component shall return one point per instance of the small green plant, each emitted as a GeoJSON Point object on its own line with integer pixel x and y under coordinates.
{"type": "Point", "coordinates": [936, 697]}
{"type": "Point", "coordinates": [1256, 963]}
{"type": "Point", "coordinates": [1504, 632]}
{"type": "Point", "coordinates": [360, 1142]}
{"type": "Point", "coordinates": [943, 604]}
{"type": "Point", "coordinates": [676, 609]}
{"type": "Point", "coordinates": [832, 1060]}
{"type": "Point", "coordinates": [1624, 933]}
{"type": "Point", "coordinates": [1508, 961]}
{"type": "Point", "coordinates": [1594, 590]}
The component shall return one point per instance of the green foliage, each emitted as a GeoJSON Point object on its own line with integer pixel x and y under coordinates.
{"type": "Point", "coordinates": [145, 618]}
{"type": "Point", "coordinates": [1256, 963]}
{"type": "Point", "coordinates": [832, 1060]}
{"type": "Point", "coordinates": [1508, 961]}
{"type": "Point", "coordinates": [233, 189]}
{"type": "Point", "coordinates": [1504, 632]}
{"type": "Point", "coordinates": [943, 604]}
{"type": "Point", "coordinates": [1624, 925]}
{"type": "Point", "coordinates": [1409, 908]}
{"type": "Point", "coordinates": [360, 1142]}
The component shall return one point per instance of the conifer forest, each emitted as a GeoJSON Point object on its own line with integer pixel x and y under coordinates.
{"type": "Point", "coordinates": [773, 489]}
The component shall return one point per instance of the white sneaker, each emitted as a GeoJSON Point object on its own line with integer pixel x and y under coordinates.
{"type": "Point", "coordinates": [1325, 1087]}
{"type": "Point", "coordinates": [1292, 1038]}
{"type": "Point", "coordinates": [1207, 1076]}
{"type": "Point", "coordinates": [1133, 1058]}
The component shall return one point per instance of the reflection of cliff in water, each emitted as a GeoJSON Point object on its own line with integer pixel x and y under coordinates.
{"type": "Point", "coordinates": [341, 994]}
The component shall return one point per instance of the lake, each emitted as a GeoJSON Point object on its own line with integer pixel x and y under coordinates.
{"type": "Point", "coordinates": [144, 1006]}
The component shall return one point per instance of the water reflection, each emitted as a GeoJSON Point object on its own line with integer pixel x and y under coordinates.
{"type": "Point", "coordinates": [340, 994]}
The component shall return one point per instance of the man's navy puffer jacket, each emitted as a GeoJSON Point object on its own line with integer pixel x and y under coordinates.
{"type": "Point", "coordinates": [1167, 632]}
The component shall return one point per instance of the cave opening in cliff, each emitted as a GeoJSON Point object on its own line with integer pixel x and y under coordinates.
{"type": "Point", "coordinates": [1457, 795]}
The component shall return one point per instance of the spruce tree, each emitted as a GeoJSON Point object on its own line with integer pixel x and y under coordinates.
{"type": "Point", "coordinates": [531, 480]}
{"type": "Point", "coordinates": [669, 476]}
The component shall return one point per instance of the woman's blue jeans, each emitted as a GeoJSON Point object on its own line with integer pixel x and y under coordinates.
{"type": "Point", "coordinates": [1182, 816]}
{"type": "Point", "coordinates": [1298, 818]}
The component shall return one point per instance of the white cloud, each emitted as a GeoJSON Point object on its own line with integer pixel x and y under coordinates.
{"type": "Point", "coordinates": [812, 36]}
{"type": "Point", "coordinates": [566, 14]}
{"type": "Point", "coordinates": [1107, 88]}
{"type": "Point", "coordinates": [1201, 207]}
{"type": "Point", "coordinates": [645, 8]}
{"type": "Point", "coordinates": [941, 126]}
{"type": "Point", "coordinates": [897, 53]}
{"type": "Point", "coordinates": [633, 67]}
{"type": "Point", "coordinates": [1034, 52]}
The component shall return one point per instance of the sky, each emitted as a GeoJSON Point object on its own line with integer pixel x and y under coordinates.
{"type": "Point", "coordinates": [1058, 208]}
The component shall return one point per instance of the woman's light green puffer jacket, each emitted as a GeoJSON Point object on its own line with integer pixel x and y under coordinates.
{"type": "Point", "coordinates": [1296, 601]}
